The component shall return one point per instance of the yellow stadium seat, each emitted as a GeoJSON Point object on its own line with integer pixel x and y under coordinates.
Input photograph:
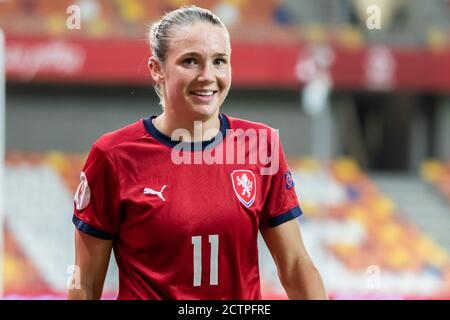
{"type": "Point", "coordinates": [431, 170]}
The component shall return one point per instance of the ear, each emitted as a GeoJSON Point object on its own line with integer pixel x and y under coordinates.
{"type": "Point", "coordinates": [155, 67]}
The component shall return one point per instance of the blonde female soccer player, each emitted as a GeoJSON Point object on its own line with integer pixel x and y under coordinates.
{"type": "Point", "coordinates": [179, 197]}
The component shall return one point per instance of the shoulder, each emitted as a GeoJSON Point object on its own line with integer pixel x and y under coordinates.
{"type": "Point", "coordinates": [237, 123]}
{"type": "Point", "coordinates": [241, 127]}
{"type": "Point", "coordinates": [111, 140]}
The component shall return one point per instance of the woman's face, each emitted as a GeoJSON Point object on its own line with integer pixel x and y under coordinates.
{"type": "Point", "coordinates": [197, 71]}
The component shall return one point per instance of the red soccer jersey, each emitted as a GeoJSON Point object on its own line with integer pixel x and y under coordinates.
{"type": "Point", "coordinates": [180, 230]}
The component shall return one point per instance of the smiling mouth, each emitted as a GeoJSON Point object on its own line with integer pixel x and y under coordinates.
{"type": "Point", "coordinates": [207, 93]}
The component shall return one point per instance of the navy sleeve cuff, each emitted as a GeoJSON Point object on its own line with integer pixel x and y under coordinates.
{"type": "Point", "coordinates": [286, 216]}
{"type": "Point", "coordinates": [90, 230]}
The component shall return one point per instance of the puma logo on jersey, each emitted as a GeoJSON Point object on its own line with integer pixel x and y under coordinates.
{"type": "Point", "coordinates": [157, 193]}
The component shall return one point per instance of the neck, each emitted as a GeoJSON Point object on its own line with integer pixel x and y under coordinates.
{"type": "Point", "coordinates": [191, 130]}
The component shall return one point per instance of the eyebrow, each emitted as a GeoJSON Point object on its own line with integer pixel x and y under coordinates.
{"type": "Point", "coordinates": [218, 54]}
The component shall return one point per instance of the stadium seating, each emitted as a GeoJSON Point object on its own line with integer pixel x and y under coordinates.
{"type": "Point", "coordinates": [39, 242]}
{"type": "Point", "coordinates": [271, 19]}
{"type": "Point", "coordinates": [391, 242]}
{"type": "Point", "coordinates": [116, 18]}
{"type": "Point", "coordinates": [437, 173]}
{"type": "Point", "coordinates": [20, 275]}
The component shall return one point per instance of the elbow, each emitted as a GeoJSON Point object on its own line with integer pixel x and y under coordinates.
{"type": "Point", "coordinates": [83, 286]}
{"type": "Point", "coordinates": [289, 272]}
{"type": "Point", "coordinates": [85, 292]}
{"type": "Point", "coordinates": [80, 291]}
{"type": "Point", "coordinates": [302, 280]}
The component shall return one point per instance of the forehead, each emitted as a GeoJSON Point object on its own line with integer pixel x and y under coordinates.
{"type": "Point", "coordinates": [201, 37]}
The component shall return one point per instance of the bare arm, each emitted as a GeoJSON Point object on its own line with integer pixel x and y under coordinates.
{"type": "Point", "coordinates": [91, 258]}
{"type": "Point", "coordinates": [298, 275]}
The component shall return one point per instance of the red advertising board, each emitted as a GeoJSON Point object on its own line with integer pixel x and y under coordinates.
{"type": "Point", "coordinates": [282, 65]}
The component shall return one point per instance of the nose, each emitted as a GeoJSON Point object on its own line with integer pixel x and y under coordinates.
{"type": "Point", "coordinates": [206, 73]}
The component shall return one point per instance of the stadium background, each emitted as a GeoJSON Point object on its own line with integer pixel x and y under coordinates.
{"type": "Point", "coordinates": [364, 115]}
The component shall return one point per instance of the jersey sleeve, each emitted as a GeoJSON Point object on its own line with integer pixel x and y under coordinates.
{"type": "Point", "coordinates": [281, 203]}
{"type": "Point", "coordinates": [97, 199]}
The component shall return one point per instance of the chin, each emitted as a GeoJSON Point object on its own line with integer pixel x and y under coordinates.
{"type": "Point", "coordinates": [203, 112]}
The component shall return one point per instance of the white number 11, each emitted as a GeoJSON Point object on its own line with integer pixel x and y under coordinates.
{"type": "Point", "coordinates": [214, 266]}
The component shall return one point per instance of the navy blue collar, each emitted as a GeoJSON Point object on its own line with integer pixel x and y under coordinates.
{"type": "Point", "coordinates": [192, 146]}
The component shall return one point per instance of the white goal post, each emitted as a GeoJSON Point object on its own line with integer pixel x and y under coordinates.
{"type": "Point", "coordinates": [2, 155]}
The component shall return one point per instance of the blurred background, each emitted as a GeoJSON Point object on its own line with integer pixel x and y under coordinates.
{"type": "Point", "coordinates": [360, 94]}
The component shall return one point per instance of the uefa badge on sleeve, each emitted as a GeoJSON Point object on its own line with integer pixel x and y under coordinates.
{"type": "Point", "coordinates": [244, 185]}
{"type": "Point", "coordinates": [83, 194]}
{"type": "Point", "coordinates": [288, 179]}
